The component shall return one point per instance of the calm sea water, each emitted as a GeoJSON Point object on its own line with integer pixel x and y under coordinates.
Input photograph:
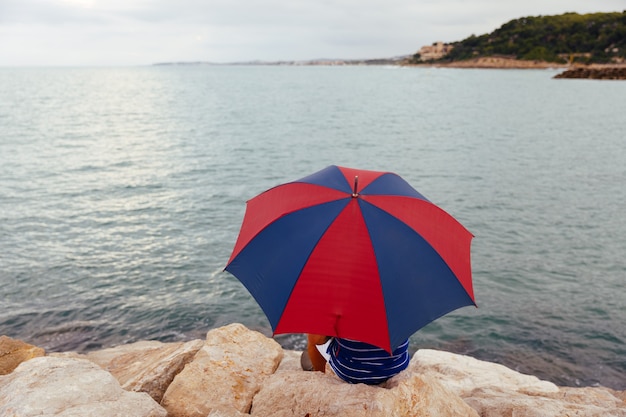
{"type": "Point", "coordinates": [122, 191]}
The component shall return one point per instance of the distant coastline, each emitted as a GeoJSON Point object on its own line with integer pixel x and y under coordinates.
{"type": "Point", "coordinates": [500, 62]}
{"type": "Point", "coordinates": [569, 41]}
{"type": "Point", "coordinates": [591, 71]}
{"type": "Point", "coordinates": [309, 62]}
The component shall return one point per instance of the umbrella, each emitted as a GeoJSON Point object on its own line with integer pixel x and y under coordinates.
{"type": "Point", "coordinates": [354, 254]}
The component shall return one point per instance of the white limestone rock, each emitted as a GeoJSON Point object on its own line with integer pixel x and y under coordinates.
{"type": "Point", "coordinates": [147, 366]}
{"type": "Point", "coordinates": [225, 374]}
{"type": "Point", "coordinates": [495, 390]}
{"type": "Point", "coordinates": [66, 387]}
{"type": "Point", "coordinates": [294, 393]}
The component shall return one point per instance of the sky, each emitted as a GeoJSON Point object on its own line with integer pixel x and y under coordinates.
{"type": "Point", "coordinates": [143, 32]}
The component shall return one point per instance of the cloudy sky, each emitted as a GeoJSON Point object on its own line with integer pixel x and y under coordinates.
{"type": "Point", "coordinates": [140, 32]}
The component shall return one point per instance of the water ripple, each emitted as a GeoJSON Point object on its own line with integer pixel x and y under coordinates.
{"type": "Point", "coordinates": [122, 192]}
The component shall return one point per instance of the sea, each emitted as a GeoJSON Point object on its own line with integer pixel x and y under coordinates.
{"type": "Point", "coordinates": [122, 191]}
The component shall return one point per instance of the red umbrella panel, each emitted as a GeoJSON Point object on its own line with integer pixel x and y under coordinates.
{"type": "Point", "coordinates": [354, 254]}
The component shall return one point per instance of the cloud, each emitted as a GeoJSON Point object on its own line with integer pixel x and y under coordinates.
{"type": "Point", "coordinates": [130, 32]}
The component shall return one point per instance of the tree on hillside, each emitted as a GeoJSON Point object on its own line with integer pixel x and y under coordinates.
{"type": "Point", "coordinates": [595, 37]}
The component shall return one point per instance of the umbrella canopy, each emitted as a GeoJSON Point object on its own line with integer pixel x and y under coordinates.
{"type": "Point", "coordinates": [353, 254]}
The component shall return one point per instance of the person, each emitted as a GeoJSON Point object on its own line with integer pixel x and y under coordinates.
{"type": "Point", "coordinates": [312, 359]}
{"type": "Point", "coordinates": [353, 361]}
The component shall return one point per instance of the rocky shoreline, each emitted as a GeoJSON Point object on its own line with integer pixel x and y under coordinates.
{"type": "Point", "coordinates": [238, 372]}
{"type": "Point", "coordinates": [595, 73]}
{"type": "Point", "coordinates": [493, 62]}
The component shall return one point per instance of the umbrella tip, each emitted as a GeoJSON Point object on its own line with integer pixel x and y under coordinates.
{"type": "Point", "coordinates": [356, 183]}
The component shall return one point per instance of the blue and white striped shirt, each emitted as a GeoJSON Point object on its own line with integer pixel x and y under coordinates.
{"type": "Point", "coordinates": [358, 362]}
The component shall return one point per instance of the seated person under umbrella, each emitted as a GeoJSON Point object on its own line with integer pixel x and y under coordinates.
{"type": "Point", "coordinates": [352, 361]}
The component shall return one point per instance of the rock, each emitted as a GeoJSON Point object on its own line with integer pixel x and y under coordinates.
{"type": "Point", "coordinates": [591, 402]}
{"type": "Point", "coordinates": [292, 392]}
{"type": "Point", "coordinates": [595, 401]}
{"type": "Point", "coordinates": [463, 374]}
{"type": "Point", "coordinates": [494, 390]}
{"type": "Point", "coordinates": [595, 73]}
{"type": "Point", "coordinates": [237, 371]}
{"type": "Point", "coordinates": [147, 366]}
{"type": "Point", "coordinates": [226, 413]}
{"type": "Point", "coordinates": [66, 387]}
{"type": "Point", "coordinates": [13, 352]}
{"type": "Point", "coordinates": [224, 375]}
{"type": "Point", "coordinates": [290, 361]}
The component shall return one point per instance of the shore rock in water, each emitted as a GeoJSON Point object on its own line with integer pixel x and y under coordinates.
{"type": "Point", "coordinates": [225, 374]}
{"type": "Point", "coordinates": [606, 73]}
{"type": "Point", "coordinates": [66, 387]}
{"type": "Point", "coordinates": [495, 390]}
{"type": "Point", "coordinates": [146, 366]}
{"type": "Point", "coordinates": [13, 352]}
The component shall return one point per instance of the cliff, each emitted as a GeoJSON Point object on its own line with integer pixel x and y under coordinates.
{"type": "Point", "coordinates": [238, 372]}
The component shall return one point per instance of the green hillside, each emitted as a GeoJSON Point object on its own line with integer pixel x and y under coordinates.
{"type": "Point", "coordinates": [570, 37]}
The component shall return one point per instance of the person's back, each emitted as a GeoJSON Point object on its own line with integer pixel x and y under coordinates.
{"type": "Point", "coordinates": [358, 362]}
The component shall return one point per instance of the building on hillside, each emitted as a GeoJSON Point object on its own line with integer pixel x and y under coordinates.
{"type": "Point", "coordinates": [435, 51]}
